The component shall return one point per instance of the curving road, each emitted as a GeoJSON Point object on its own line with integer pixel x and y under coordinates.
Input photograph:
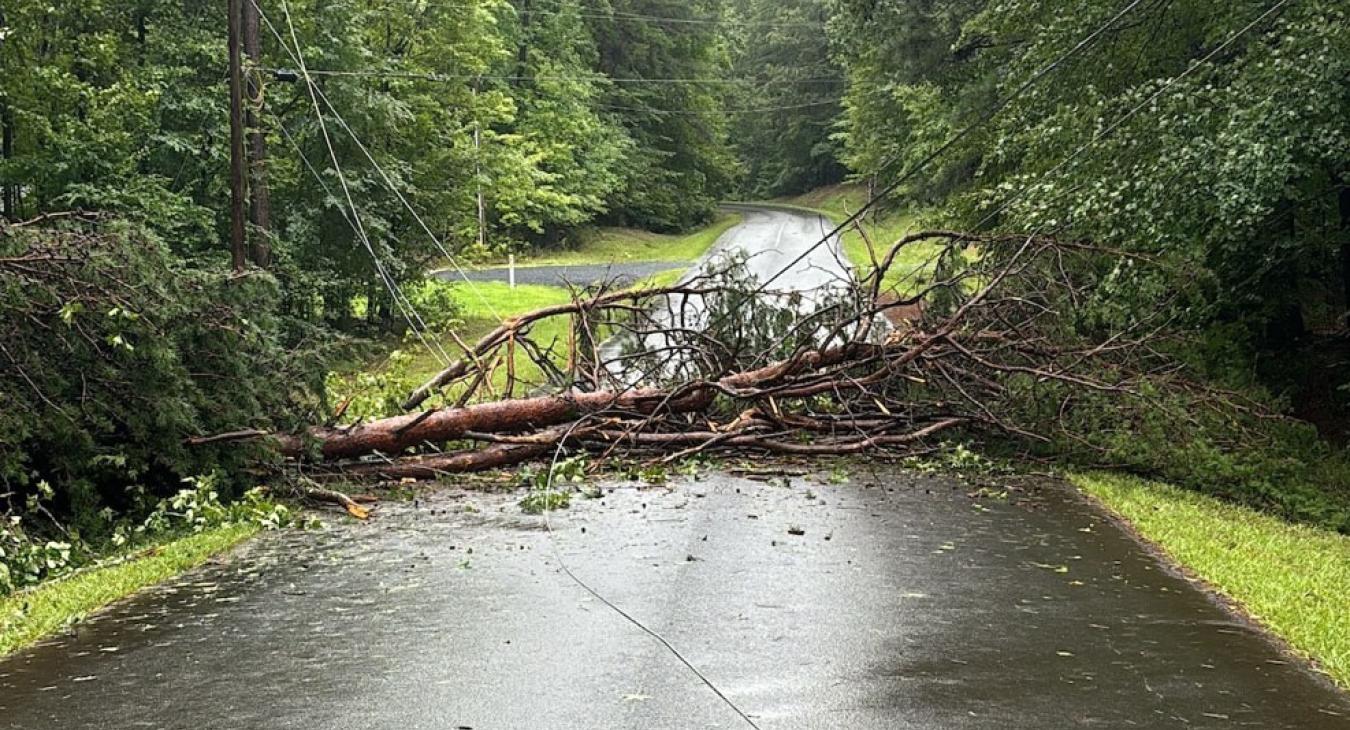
{"type": "Point", "coordinates": [788, 255]}
{"type": "Point", "coordinates": [770, 239]}
{"type": "Point", "coordinates": [567, 274]}
{"type": "Point", "coordinates": [785, 246]}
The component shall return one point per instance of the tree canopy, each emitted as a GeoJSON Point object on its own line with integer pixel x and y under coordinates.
{"type": "Point", "coordinates": [1209, 140]}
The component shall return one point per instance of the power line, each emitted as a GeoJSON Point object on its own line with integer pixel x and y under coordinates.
{"type": "Point", "coordinates": [356, 216]}
{"type": "Point", "coordinates": [985, 118]}
{"type": "Point", "coordinates": [286, 74]}
{"type": "Point", "coordinates": [1001, 104]}
{"type": "Point", "coordinates": [316, 91]}
{"type": "Point", "coordinates": [646, 18]}
{"type": "Point", "coordinates": [754, 110]}
{"type": "Point", "coordinates": [1103, 134]}
{"type": "Point", "coordinates": [562, 563]}
{"type": "Point", "coordinates": [432, 76]}
{"type": "Point", "coordinates": [405, 305]}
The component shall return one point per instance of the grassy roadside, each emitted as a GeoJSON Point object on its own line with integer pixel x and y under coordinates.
{"type": "Point", "coordinates": [1294, 579]}
{"type": "Point", "coordinates": [27, 616]}
{"type": "Point", "coordinates": [479, 306]}
{"type": "Point", "coordinates": [610, 245]}
{"type": "Point", "coordinates": [837, 202]}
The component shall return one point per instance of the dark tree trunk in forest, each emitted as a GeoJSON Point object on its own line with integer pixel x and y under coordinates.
{"type": "Point", "coordinates": [523, 50]}
{"type": "Point", "coordinates": [260, 201]}
{"type": "Point", "coordinates": [1343, 199]}
{"type": "Point", "coordinates": [10, 191]}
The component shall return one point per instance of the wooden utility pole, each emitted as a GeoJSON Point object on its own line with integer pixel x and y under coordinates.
{"type": "Point", "coordinates": [260, 201]}
{"type": "Point", "coordinates": [237, 172]}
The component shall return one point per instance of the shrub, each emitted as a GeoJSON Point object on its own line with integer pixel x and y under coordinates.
{"type": "Point", "coordinates": [115, 351]}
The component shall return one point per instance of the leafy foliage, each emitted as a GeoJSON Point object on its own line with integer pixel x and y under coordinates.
{"type": "Point", "coordinates": [1207, 141]}
{"type": "Point", "coordinates": [27, 558]}
{"type": "Point", "coordinates": [681, 163]}
{"type": "Point", "coordinates": [115, 352]}
{"type": "Point", "coordinates": [782, 65]}
{"type": "Point", "coordinates": [1219, 150]}
{"type": "Point", "coordinates": [551, 488]}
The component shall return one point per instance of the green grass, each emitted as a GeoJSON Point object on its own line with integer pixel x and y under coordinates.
{"type": "Point", "coordinates": [609, 245]}
{"type": "Point", "coordinates": [373, 383]}
{"type": "Point", "coordinates": [662, 279]}
{"type": "Point", "coordinates": [479, 307]}
{"type": "Point", "coordinates": [1294, 579]}
{"type": "Point", "coordinates": [29, 615]}
{"type": "Point", "coordinates": [504, 300]}
{"type": "Point", "coordinates": [837, 202]}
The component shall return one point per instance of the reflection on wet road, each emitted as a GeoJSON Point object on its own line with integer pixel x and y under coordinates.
{"type": "Point", "coordinates": [786, 258]}
{"type": "Point", "coordinates": [903, 603]}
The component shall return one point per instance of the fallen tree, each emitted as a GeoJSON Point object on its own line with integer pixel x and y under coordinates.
{"type": "Point", "coordinates": [985, 338]}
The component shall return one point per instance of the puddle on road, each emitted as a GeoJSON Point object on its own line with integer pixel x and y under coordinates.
{"type": "Point", "coordinates": [892, 601]}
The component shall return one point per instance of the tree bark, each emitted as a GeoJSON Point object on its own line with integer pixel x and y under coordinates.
{"type": "Point", "coordinates": [8, 196]}
{"type": "Point", "coordinates": [396, 435]}
{"type": "Point", "coordinates": [10, 191]}
{"type": "Point", "coordinates": [1343, 203]}
{"type": "Point", "coordinates": [430, 467]}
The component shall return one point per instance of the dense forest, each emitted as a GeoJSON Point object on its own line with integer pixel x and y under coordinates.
{"type": "Point", "coordinates": [387, 136]}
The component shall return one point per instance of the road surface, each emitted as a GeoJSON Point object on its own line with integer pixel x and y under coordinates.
{"type": "Point", "coordinates": [786, 249]}
{"type": "Point", "coordinates": [786, 256]}
{"type": "Point", "coordinates": [769, 238]}
{"type": "Point", "coordinates": [893, 601]}
{"type": "Point", "coordinates": [568, 275]}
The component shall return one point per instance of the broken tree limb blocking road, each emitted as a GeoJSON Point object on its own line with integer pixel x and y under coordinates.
{"type": "Point", "coordinates": [400, 433]}
{"type": "Point", "coordinates": [992, 343]}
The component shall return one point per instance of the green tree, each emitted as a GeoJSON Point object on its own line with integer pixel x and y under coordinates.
{"type": "Point", "coordinates": [656, 54]}
{"type": "Point", "coordinates": [783, 66]}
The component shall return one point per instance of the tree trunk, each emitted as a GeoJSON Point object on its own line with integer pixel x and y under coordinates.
{"type": "Point", "coordinates": [523, 49]}
{"type": "Point", "coordinates": [430, 467]}
{"type": "Point", "coordinates": [8, 191]}
{"type": "Point", "coordinates": [1343, 201]}
{"type": "Point", "coordinates": [395, 435]}
{"type": "Point", "coordinates": [7, 187]}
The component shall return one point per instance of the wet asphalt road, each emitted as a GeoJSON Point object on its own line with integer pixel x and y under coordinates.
{"type": "Point", "coordinates": [787, 254]}
{"type": "Point", "coordinates": [769, 238]}
{"type": "Point", "coordinates": [906, 603]}
{"type": "Point", "coordinates": [569, 275]}
{"type": "Point", "coordinates": [784, 248]}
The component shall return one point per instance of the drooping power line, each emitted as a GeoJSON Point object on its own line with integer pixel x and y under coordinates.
{"type": "Point", "coordinates": [409, 313]}
{"type": "Point", "coordinates": [431, 76]}
{"type": "Point", "coordinates": [626, 17]}
{"type": "Point", "coordinates": [316, 91]}
{"type": "Point", "coordinates": [989, 114]}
